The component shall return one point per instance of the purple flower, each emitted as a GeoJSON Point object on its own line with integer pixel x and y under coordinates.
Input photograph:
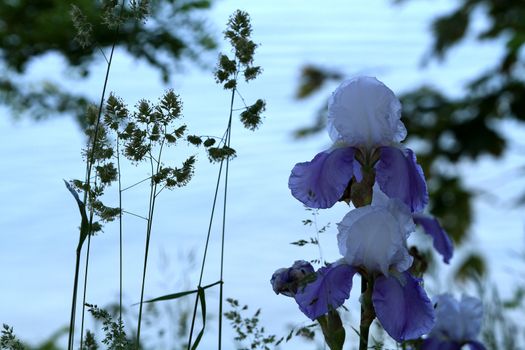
{"type": "Point", "coordinates": [441, 240]}
{"type": "Point", "coordinates": [402, 306]}
{"type": "Point", "coordinates": [400, 302]}
{"type": "Point", "coordinates": [286, 280]}
{"type": "Point", "coordinates": [374, 236]}
{"type": "Point", "coordinates": [329, 290]}
{"type": "Point", "coordinates": [364, 122]}
{"type": "Point", "coordinates": [321, 182]}
{"type": "Point", "coordinates": [364, 112]}
{"type": "Point", "coordinates": [458, 323]}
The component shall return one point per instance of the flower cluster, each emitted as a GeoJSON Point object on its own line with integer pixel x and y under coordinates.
{"type": "Point", "coordinates": [370, 168]}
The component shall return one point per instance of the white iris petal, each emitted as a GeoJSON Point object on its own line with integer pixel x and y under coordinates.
{"type": "Point", "coordinates": [375, 237]}
{"type": "Point", "coordinates": [364, 112]}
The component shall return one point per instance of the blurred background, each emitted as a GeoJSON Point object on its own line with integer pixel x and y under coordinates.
{"type": "Point", "coordinates": [457, 66]}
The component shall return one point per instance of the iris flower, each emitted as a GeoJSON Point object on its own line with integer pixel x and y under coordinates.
{"type": "Point", "coordinates": [372, 241]}
{"type": "Point", "coordinates": [364, 123]}
{"type": "Point", "coordinates": [458, 323]}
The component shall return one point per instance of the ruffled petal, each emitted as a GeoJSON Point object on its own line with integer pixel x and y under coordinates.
{"type": "Point", "coordinates": [364, 112]}
{"type": "Point", "coordinates": [399, 176]}
{"type": "Point", "coordinates": [402, 307]}
{"type": "Point", "coordinates": [432, 343]}
{"type": "Point", "coordinates": [323, 181]}
{"type": "Point", "coordinates": [395, 206]}
{"type": "Point", "coordinates": [329, 291]}
{"type": "Point", "coordinates": [375, 237]}
{"type": "Point", "coordinates": [440, 238]}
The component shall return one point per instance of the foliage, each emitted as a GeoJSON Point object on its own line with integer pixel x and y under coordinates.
{"type": "Point", "coordinates": [114, 335]}
{"type": "Point", "coordinates": [175, 31]}
{"type": "Point", "coordinates": [8, 340]}
{"type": "Point", "coordinates": [238, 34]}
{"type": "Point", "coordinates": [456, 128]}
{"type": "Point", "coordinates": [248, 329]}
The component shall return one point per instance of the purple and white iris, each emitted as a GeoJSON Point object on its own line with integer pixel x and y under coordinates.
{"type": "Point", "coordinates": [372, 240]}
{"type": "Point", "coordinates": [368, 162]}
{"type": "Point", "coordinates": [364, 122]}
{"type": "Point", "coordinates": [458, 323]}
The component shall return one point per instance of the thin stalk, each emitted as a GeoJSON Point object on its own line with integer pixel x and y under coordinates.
{"type": "Point", "coordinates": [221, 294]}
{"type": "Point", "coordinates": [89, 165]}
{"type": "Point", "coordinates": [363, 328]}
{"type": "Point", "coordinates": [318, 239]}
{"type": "Point", "coordinates": [227, 142]}
{"type": "Point", "coordinates": [136, 184]}
{"type": "Point", "coordinates": [367, 310]}
{"type": "Point", "coordinates": [152, 198]}
{"type": "Point", "coordinates": [192, 327]}
{"type": "Point", "coordinates": [84, 292]}
{"type": "Point", "coordinates": [73, 303]}
{"type": "Point", "coordinates": [120, 231]}
{"type": "Point", "coordinates": [136, 215]}
{"type": "Point", "coordinates": [146, 250]}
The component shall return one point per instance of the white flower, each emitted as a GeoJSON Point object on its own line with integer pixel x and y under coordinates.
{"type": "Point", "coordinates": [375, 235]}
{"type": "Point", "coordinates": [457, 320]}
{"type": "Point", "coordinates": [364, 112]}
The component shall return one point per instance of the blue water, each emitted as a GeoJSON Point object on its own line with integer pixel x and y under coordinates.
{"type": "Point", "coordinates": [39, 220]}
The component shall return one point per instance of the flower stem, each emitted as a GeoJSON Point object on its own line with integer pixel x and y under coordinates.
{"type": "Point", "coordinates": [367, 311]}
{"type": "Point", "coordinates": [362, 196]}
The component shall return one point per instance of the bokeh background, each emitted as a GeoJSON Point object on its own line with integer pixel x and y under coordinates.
{"type": "Point", "coordinates": [470, 139]}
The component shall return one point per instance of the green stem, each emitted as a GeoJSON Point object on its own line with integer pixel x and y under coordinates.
{"type": "Point", "coordinates": [367, 311]}
{"type": "Point", "coordinates": [74, 302]}
{"type": "Point", "coordinates": [194, 315]}
{"type": "Point", "coordinates": [152, 198]}
{"type": "Point", "coordinates": [120, 231]}
{"type": "Point", "coordinates": [89, 165]}
{"type": "Point", "coordinates": [84, 293]}
{"type": "Point", "coordinates": [362, 196]}
{"type": "Point", "coordinates": [221, 294]}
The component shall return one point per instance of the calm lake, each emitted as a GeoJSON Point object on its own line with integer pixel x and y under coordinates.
{"type": "Point", "coordinates": [39, 219]}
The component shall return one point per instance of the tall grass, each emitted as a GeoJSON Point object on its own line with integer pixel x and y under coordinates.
{"type": "Point", "coordinates": [141, 136]}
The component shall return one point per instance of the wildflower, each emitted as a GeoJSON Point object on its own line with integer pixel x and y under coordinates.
{"type": "Point", "coordinates": [374, 236]}
{"type": "Point", "coordinates": [372, 241]}
{"type": "Point", "coordinates": [364, 122]}
{"type": "Point", "coordinates": [458, 323]}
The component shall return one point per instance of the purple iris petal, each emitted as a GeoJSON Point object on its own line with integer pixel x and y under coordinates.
{"type": "Point", "coordinates": [322, 182]}
{"type": "Point", "coordinates": [402, 307]}
{"type": "Point", "coordinates": [432, 343]}
{"type": "Point", "coordinates": [329, 291]}
{"type": "Point", "coordinates": [476, 345]}
{"type": "Point", "coordinates": [399, 176]}
{"type": "Point", "coordinates": [440, 238]}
